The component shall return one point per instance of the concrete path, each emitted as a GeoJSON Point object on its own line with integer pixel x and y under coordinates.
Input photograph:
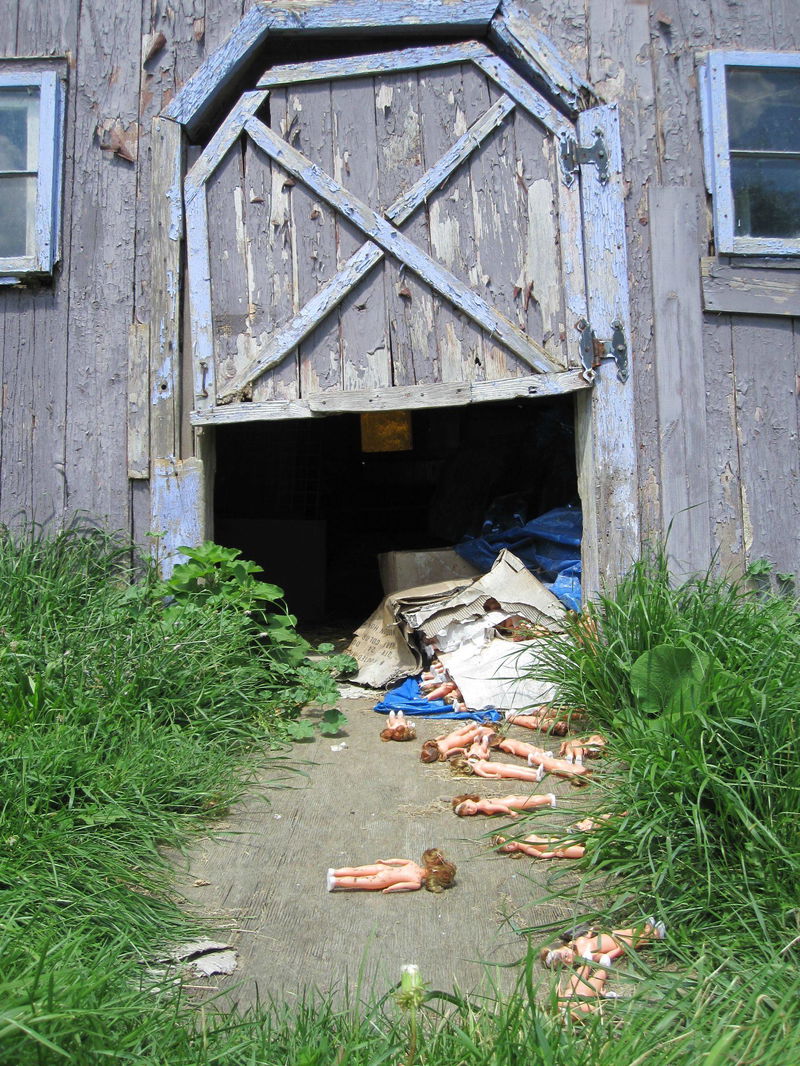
{"type": "Point", "coordinates": [262, 878]}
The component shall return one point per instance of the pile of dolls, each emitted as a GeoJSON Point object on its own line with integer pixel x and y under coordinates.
{"type": "Point", "coordinates": [593, 955]}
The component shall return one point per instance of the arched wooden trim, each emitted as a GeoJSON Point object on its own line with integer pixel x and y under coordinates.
{"type": "Point", "coordinates": [506, 26]}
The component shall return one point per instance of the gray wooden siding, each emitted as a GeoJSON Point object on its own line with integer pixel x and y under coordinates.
{"type": "Point", "coordinates": [74, 426]}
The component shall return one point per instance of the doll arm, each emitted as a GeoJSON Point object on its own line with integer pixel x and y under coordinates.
{"type": "Point", "coordinates": [403, 886]}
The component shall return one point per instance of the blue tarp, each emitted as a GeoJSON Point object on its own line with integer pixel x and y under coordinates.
{"type": "Point", "coordinates": [567, 586]}
{"type": "Point", "coordinates": [408, 698]}
{"type": "Point", "coordinates": [549, 546]}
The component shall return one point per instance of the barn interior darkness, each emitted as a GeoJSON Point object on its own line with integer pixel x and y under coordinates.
{"type": "Point", "coordinates": [304, 501]}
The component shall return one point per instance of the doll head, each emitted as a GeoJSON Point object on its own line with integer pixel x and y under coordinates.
{"type": "Point", "coordinates": [465, 805]}
{"type": "Point", "coordinates": [439, 873]}
{"type": "Point", "coordinates": [554, 957]}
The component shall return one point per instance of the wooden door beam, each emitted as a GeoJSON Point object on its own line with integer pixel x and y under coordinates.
{"type": "Point", "coordinates": [384, 234]}
{"type": "Point", "coordinates": [397, 398]}
{"type": "Point", "coordinates": [377, 63]}
{"type": "Point", "coordinates": [221, 143]}
{"type": "Point", "coordinates": [368, 255]}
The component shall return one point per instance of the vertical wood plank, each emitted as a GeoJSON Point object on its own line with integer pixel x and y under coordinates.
{"type": "Point", "coordinates": [162, 71]}
{"type": "Point", "coordinates": [620, 71]}
{"type": "Point", "coordinates": [441, 101]}
{"type": "Point", "coordinates": [680, 380]}
{"type": "Point", "coordinates": [199, 306]}
{"type": "Point", "coordinates": [8, 31]}
{"type": "Point", "coordinates": [36, 344]}
{"type": "Point", "coordinates": [273, 254]}
{"type": "Point", "coordinates": [140, 517]}
{"type": "Point", "coordinates": [573, 267]}
{"type": "Point", "coordinates": [227, 241]}
{"type": "Point", "coordinates": [766, 401]}
{"type": "Point", "coordinates": [724, 468]}
{"type": "Point", "coordinates": [314, 223]}
{"type": "Point", "coordinates": [166, 234]}
{"type": "Point", "coordinates": [677, 29]}
{"type": "Point", "coordinates": [366, 358]}
{"type": "Point", "coordinates": [39, 29]}
{"type": "Point", "coordinates": [409, 301]}
{"type": "Point", "coordinates": [101, 268]}
{"type": "Point", "coordinates": [741, 25]}
{"type": "Point", "coordinates": [18, 412]}
{"type": "Point", "coordinates": [138, 401]}
{"type": "Point", "coordinates": [542, 283]}
{"type": "Point", "coordinates": [564, 22]}
{"type": "Point", "coordinates": [178, 489]}
{"type": "Point", "coordinates": [496, 223]}
{"type": "Point", "coordinates": [785, 23]}
{"type": "Point", "coordinates": [607, 454]}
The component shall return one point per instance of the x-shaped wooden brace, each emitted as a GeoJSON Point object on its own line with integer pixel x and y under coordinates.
{"type": "Point", "coordinates": [384, 237]}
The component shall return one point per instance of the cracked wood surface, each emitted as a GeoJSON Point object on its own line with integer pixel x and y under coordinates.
{"type": "Point", "coordinates": [276, 345]}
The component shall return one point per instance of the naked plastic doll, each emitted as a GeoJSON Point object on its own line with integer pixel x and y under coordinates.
{"type": "Point", "coordinates": [469, 804]}
{"type": "Point", "coordinates": [541, 847]}
{"type": "Point", "coordinates": [612, 945]}
{"type": "Point", "coordinates": [578, 749]}
{"type": "Point", "coordinates": [500, 770]}
{"type": "Point", "coordinates": [544, 719]}
{"type": "Point", "coordinates": [436, 684]}
{"type": "Point", "coordinates": [397, 728]}
{"type": "Point", "coordinates": [539, 757]}
{"type": "Point", "coordinates": [560, 767]}
{"type": "Point", "coordinates": [396, 875]}
{"type": "Point", "coordinates": [456, 743]}
{"type": "Point", "coordinates": [585, 989]}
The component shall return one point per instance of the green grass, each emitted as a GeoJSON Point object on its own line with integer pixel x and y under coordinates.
{"type": "Point", "coordinates": [127, 724]}
{"type": "Point", "coordinates": [698, 690]}
{"type": "Point", "coordinates": [124, 728]}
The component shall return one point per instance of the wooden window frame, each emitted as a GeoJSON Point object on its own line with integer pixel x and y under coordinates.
{"type": "Point", "coordinates": [47, 216]}
{"type": "Point", "coordinates": [716, 142]}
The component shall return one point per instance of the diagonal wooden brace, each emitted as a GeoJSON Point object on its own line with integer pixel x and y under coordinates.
{"type": "Point", "coordinates": [385, 235]}
{"type": "Point", "coordinates": [368, 255]}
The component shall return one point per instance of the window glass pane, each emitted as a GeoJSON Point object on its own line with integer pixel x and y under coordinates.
{"type": "Point", "coordinates": [19, 129]}
{"type": "Point", "coordinates": [17, 214]}
{"type": "Point", "coordinates": [766, 196]}
{"type": "Point", "coordinates": [764, 109]}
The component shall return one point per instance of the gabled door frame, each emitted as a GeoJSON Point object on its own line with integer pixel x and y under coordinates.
{"type": "Point", "coordinates": [606, 457]}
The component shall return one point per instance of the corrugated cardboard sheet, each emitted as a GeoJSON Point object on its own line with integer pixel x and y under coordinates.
{"type": "Point", "coordinates": [384, 645]}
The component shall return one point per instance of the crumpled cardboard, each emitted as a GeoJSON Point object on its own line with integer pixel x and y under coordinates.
{"type": "Point", "coordinates": [385, 647]}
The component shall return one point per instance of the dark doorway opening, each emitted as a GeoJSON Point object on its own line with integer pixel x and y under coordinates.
{"type": "Point", "coordinates": [304, 501]}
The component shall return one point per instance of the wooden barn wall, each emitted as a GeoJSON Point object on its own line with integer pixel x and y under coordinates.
{"type": "Point", "coordinates": [716, 394]}
{"type": "Point", "coordinates": [65, 347]}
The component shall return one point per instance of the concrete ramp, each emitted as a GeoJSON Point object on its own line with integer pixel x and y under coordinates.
{"type": "Point", "coordinates": [262, 879]}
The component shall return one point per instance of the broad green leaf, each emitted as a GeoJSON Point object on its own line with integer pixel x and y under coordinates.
{"type": "Point", "coordinates": [332, 722]}
{"type": "Point", "coordinates": [301, 729]}
{"type": "Point", "coordinates": [669, 679]}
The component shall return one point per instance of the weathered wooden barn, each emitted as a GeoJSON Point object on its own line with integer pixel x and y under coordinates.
{"type": "Point", "coordinates": [559, 238]}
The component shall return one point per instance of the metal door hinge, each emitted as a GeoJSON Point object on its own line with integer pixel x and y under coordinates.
{"type": "Point", "coordinates": [593, 350]}
{"type": "Point", "coordinates": [573, 155]}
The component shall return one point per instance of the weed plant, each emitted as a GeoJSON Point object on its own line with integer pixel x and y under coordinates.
{"type": "Point", "coordinates": [698, 688]}
{"type": "Point", "coordinates": [124, 723]}
{"type": "Point", "coordinates": [125, 719]}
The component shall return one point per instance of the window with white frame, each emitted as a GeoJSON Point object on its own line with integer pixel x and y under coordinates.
{"type": "Point", "coordinates": [31, 120]}
{"type": "Point", "coordinates": [751, 115]}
